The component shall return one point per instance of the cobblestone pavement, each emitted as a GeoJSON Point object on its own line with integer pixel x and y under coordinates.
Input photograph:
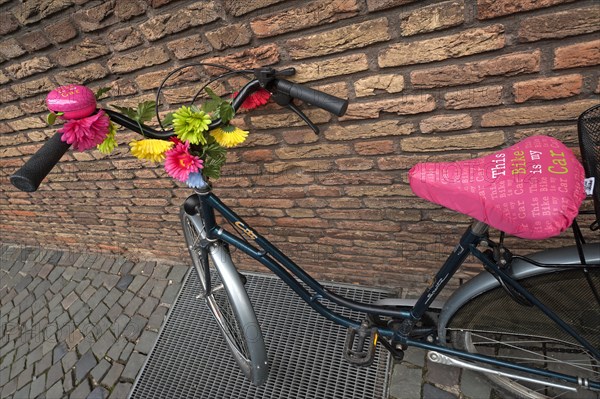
{"type": "Point", "coordinates": [81, 325]}
{"type": "Point", "coordinates": [78, 325]}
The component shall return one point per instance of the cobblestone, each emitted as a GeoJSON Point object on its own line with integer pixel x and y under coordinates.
{"type": "Point", "coordinates": [90, 339]}
{"type": "Point", "coordinates": [84, 365]}
{"type": "Point", "coordinates": [79, 303]}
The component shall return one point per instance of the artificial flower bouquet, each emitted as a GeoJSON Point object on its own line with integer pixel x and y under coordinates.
{"type": "Point", "coordinates": [192, 156]}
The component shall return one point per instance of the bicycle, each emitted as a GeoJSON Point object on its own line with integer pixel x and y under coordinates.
{"type": "Point", "coordinates": [547, 302]}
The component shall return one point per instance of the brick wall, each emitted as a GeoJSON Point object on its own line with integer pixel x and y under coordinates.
{"type": "Point", "coordinates": [426, 80]}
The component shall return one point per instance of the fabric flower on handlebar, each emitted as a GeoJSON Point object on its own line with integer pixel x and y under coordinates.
{"type": "Point", "coordinates": [194, 154]}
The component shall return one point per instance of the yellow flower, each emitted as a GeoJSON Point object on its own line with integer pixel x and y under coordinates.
{"type": "Point", "coordinates": [151, 149]}
{"type": "Point", "coordinates": [229, 136]}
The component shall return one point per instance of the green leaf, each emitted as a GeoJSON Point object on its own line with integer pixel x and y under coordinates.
{"type": "Point", "coordinates": [168, 120]}
{"type": "Point", "coordinates": [101, 91]}
{"type": "Point", "coordinates": [226, 112]}
{"type": "Point", "coordinates": [213, 95]}
{"type": "Point", "coordinates": [211, 106]}
{"type": "Point", "coordinates": [127, 111]}
{"type": "Point", "coordinates": [51, 118]}
{"type": "Point", "coordinates": [145, 111]}
{"type": "Point", "coordinates": [212, 167]}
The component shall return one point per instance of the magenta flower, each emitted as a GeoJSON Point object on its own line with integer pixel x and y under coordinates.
{"type": "Point", "coordinates": [86, 133]}
{"type": "Point", "coordinates": [179, 163]}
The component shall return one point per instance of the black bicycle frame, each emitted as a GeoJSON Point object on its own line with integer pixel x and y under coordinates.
{"type": "Point", "coordinates": [206, 203]}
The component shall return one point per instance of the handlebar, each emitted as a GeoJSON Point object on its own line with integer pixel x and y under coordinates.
{"type": "Point", "coordinates": [30, 175]}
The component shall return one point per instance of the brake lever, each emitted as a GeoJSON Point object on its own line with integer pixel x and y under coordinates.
{"type": "Point", "coordinates": [303, 116]}
{"type": "Point", "coordinates": [286, 101]}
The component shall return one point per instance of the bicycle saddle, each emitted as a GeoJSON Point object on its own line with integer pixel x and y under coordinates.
{"type": "Point", "coordinates": [532, 189]}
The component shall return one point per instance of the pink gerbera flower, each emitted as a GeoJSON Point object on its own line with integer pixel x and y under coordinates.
{"type": "Point", "coordinates": [179, 163]}
{"type": "Point", "coordinates": [86, 133]}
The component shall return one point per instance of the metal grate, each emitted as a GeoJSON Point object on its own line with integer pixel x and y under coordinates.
{"type": "Point", "coordinates": [191, 360]}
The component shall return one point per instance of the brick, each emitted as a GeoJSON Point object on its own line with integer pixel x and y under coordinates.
{"type": "Point", "coordinates": [125, 38]}
{"type": "Point", "coordinates": [3, 78]}
{"type": "Point", "coordinates": [473, 72]}
{"type": "Point", "coordinates": [7, 95]}
{"type": "Point", "coordinates": [406, 162]}
{"type": "Point", "coordinates": [83, 75]}
{"type": "Point", "coordinates": [86, 50]}
{"type": "Point", "coordinates": [33, 87]}
{"type": "Point", "coordinates": [233, 35]}
{"type": "Point", "coordinates": [27, 123]}
{"type": "Point", "coordinates": [8, 23]}
{"type": "Point", "coordinates": [159, 3]}
{"type": "Point", "coordinates": [446, 123]}
{"type": "Point", "coordinates": [152, 80]}
{"type": "Point", "coordinates": [138, 60]}
{"type": "Point", "coordinates": [382, 128]}
{"type": "Point", "coordinates": [339, 40]}
{"type": "Point", "coordinates": [313, 151]}
{"type": "Point", "coordinates": [34, 41]}
{"type": "Point", "coordinates": [487, 9]}
{"type": "Point", "coordinates": [307, 166]}
{"type": "Point", "coordinates": [376, 5]}
{"type": "Point", "coordinates": [338, 66]}
{"type": "Point", "coordinates": [197, 14]}
{"type": "Point", "coordinates": [536, 114]}
{"type": "Point", "coordinates": [10, 48]}
{"type": "Point", "coordinates": [561, 24]}
{"type": "Point", "coordinates": [432, 18]}
{"type": "Point", "coordinates": [374, 147]}
{"type": "Point", "coordinates": [405, 105]}
{"type": "Point", "coordinates": [61, 31]}
{"type": "Point", "coordinates": [318, 116]}
{"type": "Point", "coordinates": [255, 57]}
{"type": "Point", "coordinates": [474, 98]}
{"type": "Point", "coordinates": [127, 9]}
{"type": "Point", "coordinates": [369, 86]}
{"type": "Point", "coordinates": [467, 42]}
{"type": "Point", "coordinates": [577, 55]}
{"type": "Point", "coordinates": [29, 67]}
{"type": "Point", "coordinates": [95, 18]}
{"type": "Point", "coordinates": [10, 112]}
{"type": "Point", "coordinates": [301, 136]}
{"type": "Point", "coordinates": [548, 88]}
{"type": "Point", "coordinates": [188, 47]}
{"type": "Point", "coordinates": [354, 164]}
{"type": "Point", "coordinates": [29, 12]}
{"type": "Point", "coordinates": [454, 142]}
{"type": "Point", "coordinates": [310, 14]}
{"type": "Point", "coordinates": [237, 8]}
{"type": "Point", "coordinates": [261, 155]}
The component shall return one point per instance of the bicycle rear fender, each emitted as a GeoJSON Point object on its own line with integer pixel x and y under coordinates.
{"type": "Point", "coordinates": [484, 281]}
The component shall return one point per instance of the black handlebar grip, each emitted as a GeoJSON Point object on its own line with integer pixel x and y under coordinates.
{"type": "Point", "coordinates": [335, 105]}
{"type": "Point", "coordinates": [29, 177]}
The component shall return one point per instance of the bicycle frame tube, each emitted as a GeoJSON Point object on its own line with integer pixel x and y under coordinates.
{"type": "Point", "coordinates": [281, 265]}
{"type": "Point", "coordinates": [286, 269]}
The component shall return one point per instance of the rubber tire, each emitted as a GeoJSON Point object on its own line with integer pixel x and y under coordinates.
{"type": "Point", "coordinates": [509, 388]}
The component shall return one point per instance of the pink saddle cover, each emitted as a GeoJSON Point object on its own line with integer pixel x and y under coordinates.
{"type": "Point", "coordinates": [532, 189]}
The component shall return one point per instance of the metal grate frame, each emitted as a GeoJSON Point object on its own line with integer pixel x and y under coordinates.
{"type": "Point", "coordinates": [191, 360]}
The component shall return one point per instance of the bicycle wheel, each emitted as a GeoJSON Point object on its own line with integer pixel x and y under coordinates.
{"type": "Point", "coordinates": [495, 325]}
{"type": "Point", "coordinates": [227, 301]}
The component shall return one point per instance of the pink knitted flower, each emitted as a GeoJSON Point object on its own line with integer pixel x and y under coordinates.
{"type": "Point", "coordinates": [86, 133]}
{"type": "Point", "coordinates": [179, 163]}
